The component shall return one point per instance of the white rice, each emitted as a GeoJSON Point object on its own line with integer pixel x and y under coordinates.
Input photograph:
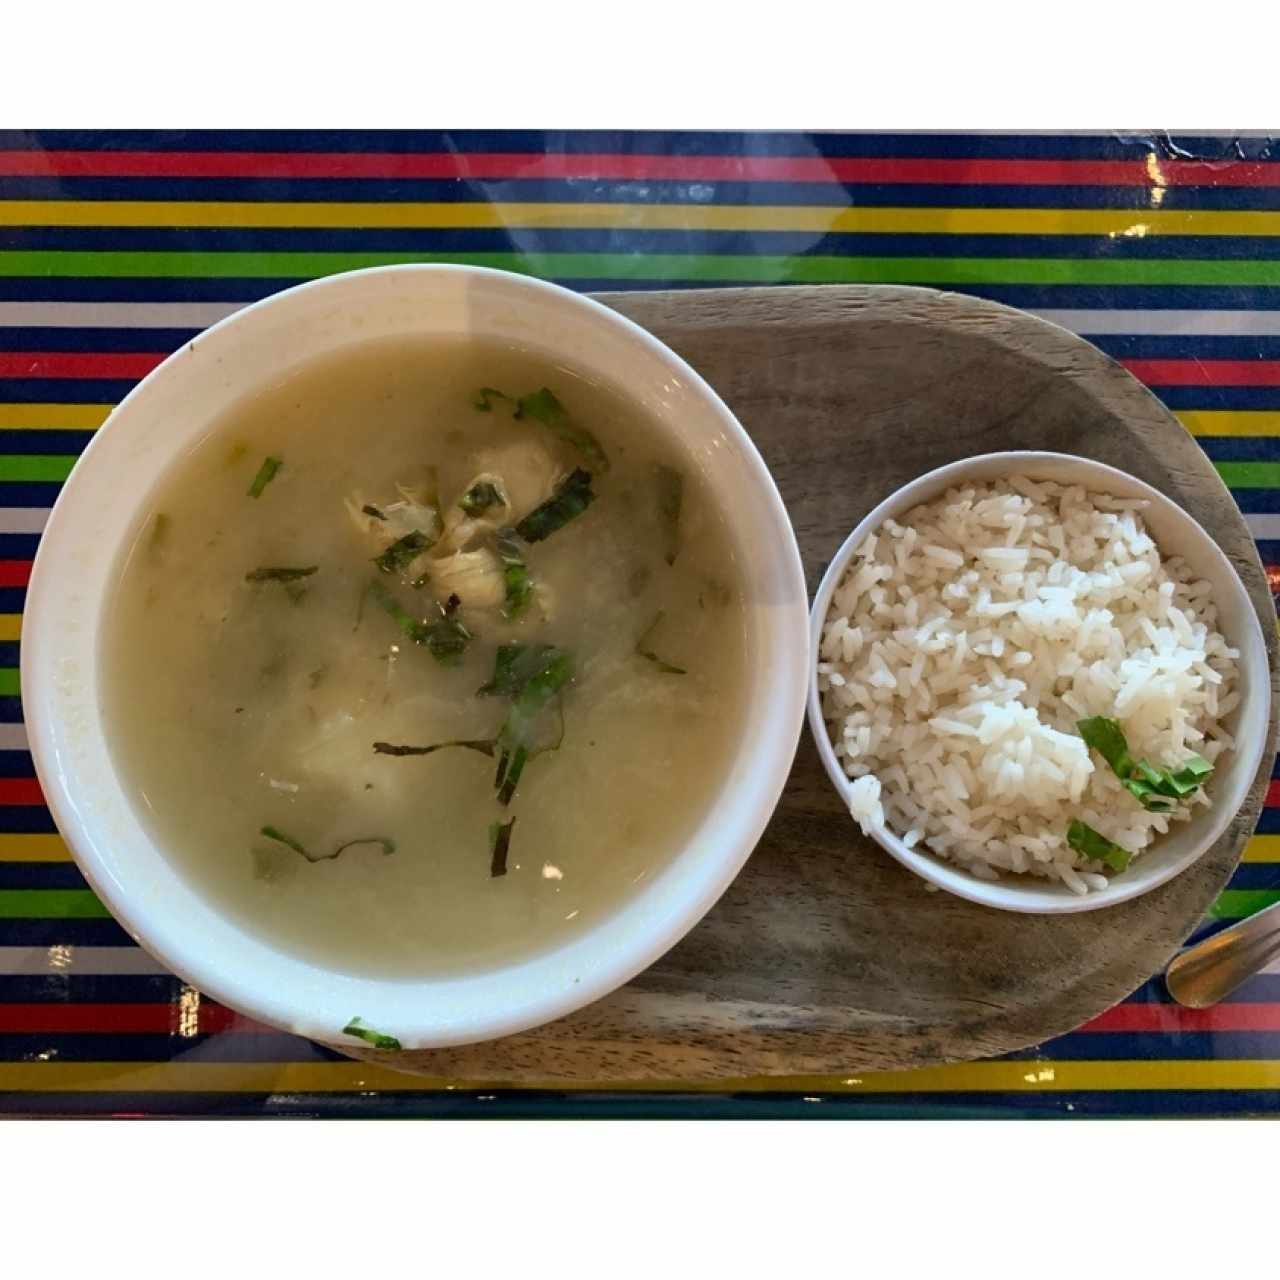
{"type": "Point", "coordinates": [964, 642]}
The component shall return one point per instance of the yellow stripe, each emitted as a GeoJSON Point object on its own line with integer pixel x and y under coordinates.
{"type": "Point", "coordinates": [28, 848]}
{"type": "Point", "coordinates": [1262, 849]}
{"type": "Point", "coordinates": [335, 1077]}
{"type": "Point", "coordinates": [10, 626]}
{"type": "Point", "coordinates": [1214, 422]}
{"type": "Point", "coordinates": [821, 219]}
{"type": "Point", "coordinates": [53, 417]}
{"type": "Point", "coordinates": [47, 848]}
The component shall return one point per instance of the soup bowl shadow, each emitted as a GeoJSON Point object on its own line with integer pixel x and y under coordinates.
{"type": "Point", "coordinates": [99, 509]}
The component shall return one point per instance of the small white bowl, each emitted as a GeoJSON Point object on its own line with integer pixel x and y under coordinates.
{"type": "Point", "coordinates": [1177, 534]}
{"type": "Point", "coordinates": [164, 417]}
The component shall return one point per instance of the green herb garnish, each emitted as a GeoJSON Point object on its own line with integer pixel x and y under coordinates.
{"type": "Point", "coordinates": [571, 498]}
{"type": "Point", "coordinates": [266, 474]}
{"type": "Point", "coordinates": [274, 833]}
{"type": "Point", "coordinates": [499, 843]}
{"type": "Point", "coordinates": [670, 500]}
{"type": "Point", "coordinates": [480, 497]}
{"type": "Point", "coordinates": [1107, 738]}
{"type": "Point", "coordinates": [542, 406]}
{"type": "Point", "coordinates": [403, 552]}
{"type": "Point", "coordinates": [486, 747]}
{"type": "Point", "coordinates": [515, 574]}
{"type": "Point", "coordinates": [370, 510]}
{"type": "Point", "coordinates": [275, 573]}
{"type": "Point", "coordinates": [1093, 844]}
{"type": "Point", "coordinates": [159, 531]}
{"type": "Point", "coordinates": [1157, 790]}
{"type": "Point", "coordinates": [388, 846]}
{"type": "Point", "coordinates": [446, 638]}
{"type": "Point", "coordinates": [516, 666]}
{"type": "Point", "coordinates": [515, 740]}
{"type": "Point", "coordinates": [484, 398]}
{"type": "Point", "coordinates": [530, 675]}
{"type": "Point", "coordinates": [643, 649]}
{"type": "Point", "coordinates": [357, 1029]}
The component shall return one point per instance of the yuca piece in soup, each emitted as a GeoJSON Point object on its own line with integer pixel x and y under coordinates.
{"type": "Point", "coordinates": [427, 657]}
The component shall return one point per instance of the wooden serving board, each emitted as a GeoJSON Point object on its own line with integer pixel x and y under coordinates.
{"type": "Point", "coordinates": [825, 956]}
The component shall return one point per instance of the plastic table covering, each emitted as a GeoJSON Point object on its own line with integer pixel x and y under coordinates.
{"type": "Point", "coordinates": [115, 248]}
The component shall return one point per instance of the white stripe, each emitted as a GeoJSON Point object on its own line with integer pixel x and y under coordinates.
{"type": "Point", "coordinates": [1231, 324]}
{"type": "Point", "coordinates": [116, 315]}
{"type": "Point", "coordinates": [88, 960]}
{"type": "Point", "coordinates": [1264, 526]}
{"type": "Point", "coordinates": [23, 519]}
{"type": "Point", "coordinates": [13, 737]}
{"type": "Point", "coordinates": [199, 315]}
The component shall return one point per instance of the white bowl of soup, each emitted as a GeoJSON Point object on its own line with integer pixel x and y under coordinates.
{"type": "Point", "coordinates": [416, 656]}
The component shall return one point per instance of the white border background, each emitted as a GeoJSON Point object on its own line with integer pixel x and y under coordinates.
{"type": "Point", "coordinates": [618, 1200]}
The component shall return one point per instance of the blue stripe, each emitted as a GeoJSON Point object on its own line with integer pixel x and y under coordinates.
{"type": "Point", "coordinates": [1241, 449]}
{"type": "Point", "coordinates": [26, 818]}
{"type": "Point", "coordinates": [18, 546]}
{"type": "Point", "coordinates": [640, 192]}
{"type": "Point", "coordinates": [22, 494]}
{"type": "Point", "coordinates": [14, 764]}
{"type": "Point", "coordinates": [105, 1046]}
{"type": "Point", "coordinates": [1257, 501]}
{"type": "Point", "coordinates": [693, 239]}
{"type": "Point", "coordinates": [92, 391]}
{"type": "Point", "coordinates": [1256, 875]}
{"type": "Point", "coordinates": [546, 1105]}
{"type": "Point", "coordinates": [129, 341]}
{"type": "Point", "coordinates": [1269, 823]}
{"type": "Point", "coordinates": [59, 988]}
{"type": "Point", "coordinates": [1067, 146]}
{"type": "Point", "coordinates": [268, 1046]}
{"type": "Point", "coordinates": [24, 932]}
{"type": "Point", "coordinates": [12, 599]}
{"type": "Point", "coordinates": [1225, 399]}
{"type": "Point", "coordinates": [1193, 346]}
{"type": "Point", "coordinates": [65, 391]}
{"type": "Point", "coordinates": [19, 441]}
{"type": "Point", "coordinates": [41, 875]}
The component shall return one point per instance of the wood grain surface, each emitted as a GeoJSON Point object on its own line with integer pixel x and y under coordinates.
{"type": "Point", "coordinates": [825, 956]}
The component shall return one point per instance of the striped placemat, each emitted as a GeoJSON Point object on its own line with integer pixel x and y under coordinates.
{"type": "Point", "coordinates": [115, 248]}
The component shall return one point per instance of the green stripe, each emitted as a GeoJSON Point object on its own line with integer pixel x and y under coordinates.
{"type": "Point", "coordinates": [36, 466]}
{"type": "Point", "coordinates": [730, 268]}
{"type": "Point", "coordinates": [51, 904]}
{"type": "Point", "coordinates": [1250, 475]}
{"type": "Point", "coordinates": [1235, 904]}
{"type": "Point", "coordinates": [10, 683]}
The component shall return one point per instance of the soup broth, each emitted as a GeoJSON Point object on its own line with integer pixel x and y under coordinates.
{"type": "Point", "coordinates": [492, 568]}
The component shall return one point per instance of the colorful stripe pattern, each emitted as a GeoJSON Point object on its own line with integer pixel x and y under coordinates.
{"type": "Point", "coordinates": [115, 248]}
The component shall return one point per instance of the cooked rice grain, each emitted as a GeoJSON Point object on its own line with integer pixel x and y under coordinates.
{"type": "Point", "coordinates": [964, 642]}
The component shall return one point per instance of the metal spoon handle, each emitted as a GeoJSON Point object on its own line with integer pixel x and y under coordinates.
{"type": "Point", "coordinates": [1202, 975]}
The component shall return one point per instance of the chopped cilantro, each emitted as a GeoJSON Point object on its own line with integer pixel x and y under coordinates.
{"type": "Point", "coordinates": [266, 474]}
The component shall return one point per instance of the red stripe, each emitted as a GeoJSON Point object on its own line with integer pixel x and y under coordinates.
{"type": "Point", "coordinates": [853, 169]}
{"type": "Point", "coordinates": [15, 573]}
{"type": "Point", "coordinates": [74, 364]}
{"type": "Point", "coordinates": [141, 1019]}
{"type": "Point", "coordinates": [1273, 794]}
{"type": "Point", "coordinates": [1206, 373]}
{"type": "Point", "coordinates": [20, 791]}
{"type": "Point", "coordinates": [1173, 1017]}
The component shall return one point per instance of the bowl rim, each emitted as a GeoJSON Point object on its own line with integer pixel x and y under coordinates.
{"type": "Point", "coordinates": [1012, 892]}
{"type": "Point", "coordinates": [711, 870]}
